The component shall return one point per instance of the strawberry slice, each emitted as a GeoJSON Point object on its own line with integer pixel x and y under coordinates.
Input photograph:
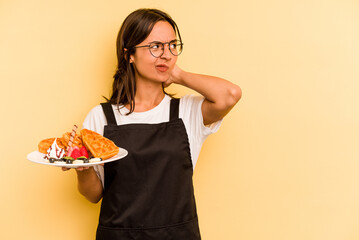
{"type": "Point", "coordinates": [75, 153]}
{"type": "Point", "coordinates": [83, 152]}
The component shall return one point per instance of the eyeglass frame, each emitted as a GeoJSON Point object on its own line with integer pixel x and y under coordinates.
{"type": "Point", "coordinates": [163, 44]}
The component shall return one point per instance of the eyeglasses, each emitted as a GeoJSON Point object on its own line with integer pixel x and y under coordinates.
{"type": "Point", "coordinates": [157, 48]}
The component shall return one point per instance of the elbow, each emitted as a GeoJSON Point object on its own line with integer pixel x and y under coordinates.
{"type": "Point", "coordinates": [229, 99]}
{"type": "Point", "coordinates": [93, 200]}
{"type": "Point", "coordinates": [234, 95]}
{"type": "Point", "coordinates": [91, 195]}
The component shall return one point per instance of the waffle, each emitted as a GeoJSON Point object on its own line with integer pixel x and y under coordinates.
{"type": "Point", "coordinates": [77, 140]}
{"type": "Point", "coordinates": [99, 146]}
{"type": "Point", "coordinates": [46, 144]}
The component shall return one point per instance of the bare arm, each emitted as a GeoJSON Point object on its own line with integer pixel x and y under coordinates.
{"type": "Point", "coordinates": [88, 184]}
{"type": "Point", "coordinates": [220, 95]}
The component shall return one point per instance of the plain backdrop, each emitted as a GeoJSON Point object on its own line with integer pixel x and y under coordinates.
{"type": "Point", "coordinates": [284, 164]}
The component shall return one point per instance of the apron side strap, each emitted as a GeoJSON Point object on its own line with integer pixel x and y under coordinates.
{"type": "Point", "coordinates": [174, 108]}
{"type": "Point", "coordinates": [109, 114]}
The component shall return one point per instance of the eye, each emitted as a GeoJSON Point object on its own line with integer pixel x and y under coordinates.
{"type": "Point", "coordinates": [173, 45]}
{"type": "Point", "coordinates": [155, 45]}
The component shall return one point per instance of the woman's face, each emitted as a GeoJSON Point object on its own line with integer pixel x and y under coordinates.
{"type": "Point", "coordinates": [148, 67]}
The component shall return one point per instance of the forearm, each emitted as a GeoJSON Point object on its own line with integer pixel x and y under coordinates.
{"type": "Point", "coordinates": [220, 94]}
{"type": "Point", "coordinates": [89, 185]}
{"type": "Point", "coordinates": [214, 89]}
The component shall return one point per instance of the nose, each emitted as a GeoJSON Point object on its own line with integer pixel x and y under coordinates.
{"type": "Point", "coordinates": [166, 51]}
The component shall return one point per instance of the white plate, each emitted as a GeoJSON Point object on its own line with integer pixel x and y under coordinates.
{"type": "Point", "coordinates": [38, 157]}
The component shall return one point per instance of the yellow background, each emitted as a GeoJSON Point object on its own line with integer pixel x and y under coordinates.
{"type": "Point", "coordinates": [285, 163]}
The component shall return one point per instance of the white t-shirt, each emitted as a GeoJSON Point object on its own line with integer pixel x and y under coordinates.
{"type": "Point", "coordinates": [189, 110]}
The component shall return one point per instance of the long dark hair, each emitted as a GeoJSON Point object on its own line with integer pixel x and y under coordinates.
{"type": "Point", "coordinates": [134, 30]}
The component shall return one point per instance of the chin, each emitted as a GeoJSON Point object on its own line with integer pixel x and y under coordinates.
{"type": "Point", "coordinates": [163, 78]}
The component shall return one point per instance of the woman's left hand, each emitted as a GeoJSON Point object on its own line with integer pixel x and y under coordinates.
{"type": "Point", "coordinates": [220, 94]}
{"type": "Point", "coordinates": [175, 76]}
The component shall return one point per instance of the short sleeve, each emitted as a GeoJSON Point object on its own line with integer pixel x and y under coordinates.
{"type": "Point", "coordinates": [95, 120]}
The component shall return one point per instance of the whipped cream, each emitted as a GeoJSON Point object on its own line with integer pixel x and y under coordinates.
{"type": "Point", "coordinates": [54, 151]}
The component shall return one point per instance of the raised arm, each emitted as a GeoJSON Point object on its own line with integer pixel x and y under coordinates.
{"type": "Point", "coordinates": [220, 95]}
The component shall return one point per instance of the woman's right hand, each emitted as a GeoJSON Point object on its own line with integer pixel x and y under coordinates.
{"type": "Point", "coordinates": [77, 169]}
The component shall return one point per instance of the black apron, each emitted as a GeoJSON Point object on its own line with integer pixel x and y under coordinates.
{"type": "Point", "coordinates": [149, 193]}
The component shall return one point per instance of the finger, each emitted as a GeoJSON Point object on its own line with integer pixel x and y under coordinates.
{"type": "Point", "coordinates": [82, 168]}
{"type": "Point", "coordinates": [166, 84]}
{"type": "Point", "coordinates": [65, 168]}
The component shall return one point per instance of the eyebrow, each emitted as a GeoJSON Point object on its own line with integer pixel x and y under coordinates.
{"type": "Point", "coordinates": [163, 42]}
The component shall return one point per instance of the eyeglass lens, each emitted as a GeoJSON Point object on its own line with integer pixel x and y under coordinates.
{"type": "Point", "coordinates": [157, 48]}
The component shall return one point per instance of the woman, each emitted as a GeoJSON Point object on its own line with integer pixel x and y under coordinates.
{"type": "Point", "coordinates": [149, 193]}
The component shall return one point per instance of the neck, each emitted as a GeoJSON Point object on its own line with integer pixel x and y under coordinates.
{"type": "Point", "coordinates": [148, 95]}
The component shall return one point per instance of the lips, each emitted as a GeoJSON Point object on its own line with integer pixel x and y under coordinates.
{"type": "Point", "coordinates": [162, 67]}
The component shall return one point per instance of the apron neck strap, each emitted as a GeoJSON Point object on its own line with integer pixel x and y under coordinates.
{"type": "Point", "coordinates": [109, 114]}
{"type": "Point", "coordinates": [174, 108]}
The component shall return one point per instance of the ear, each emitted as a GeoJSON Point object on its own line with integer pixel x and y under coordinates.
{"type": "Point", "coordinates": [131, 59]}
{"type": "Point", "coordinates": [131, 56]}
